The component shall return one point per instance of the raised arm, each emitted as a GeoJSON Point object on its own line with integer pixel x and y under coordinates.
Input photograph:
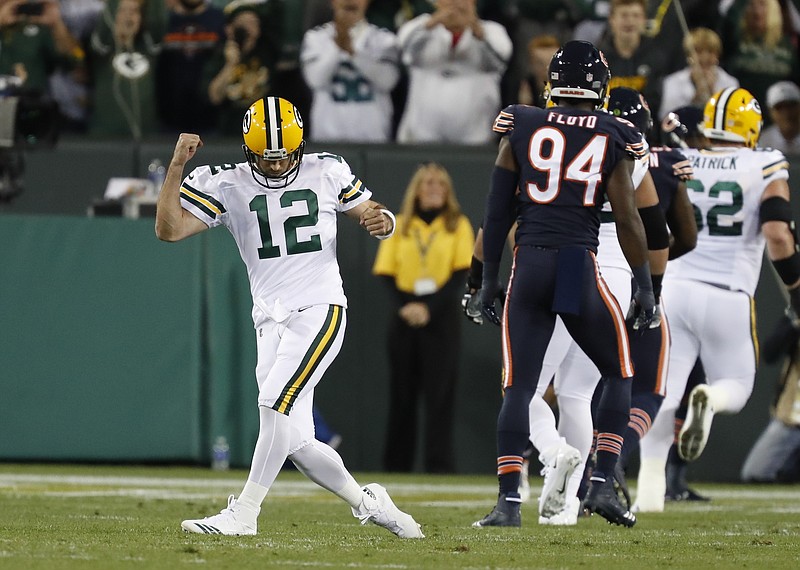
{"type": "Point", "coordinates": [173, 223]}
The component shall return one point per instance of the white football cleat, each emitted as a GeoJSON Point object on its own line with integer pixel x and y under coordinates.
{"type": "Point", "coordinates": [557, 471]}
{"type": "Point", "coordinates": [233, 520]}
{"type": "Point", "coordinates": [378, 508]}
{"type": "Point", "coordinates": [567, 517]}
{"type": "Point", "coordinates": [693, 436]}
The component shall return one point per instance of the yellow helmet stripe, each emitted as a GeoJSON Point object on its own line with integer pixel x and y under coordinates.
{"type": "Point", "coordinates": [722, 108]}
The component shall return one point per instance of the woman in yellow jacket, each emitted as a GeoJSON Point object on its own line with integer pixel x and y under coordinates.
{"type": "Point", "coordinates": [425, 264]}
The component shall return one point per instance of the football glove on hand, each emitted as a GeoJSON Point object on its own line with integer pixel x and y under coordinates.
{"type": "Point", "coordinates": [471, 304]}
{"type": "Point", "coordinates": [643, 311]}
{"type": "Point", "coordinates": [488, 294]}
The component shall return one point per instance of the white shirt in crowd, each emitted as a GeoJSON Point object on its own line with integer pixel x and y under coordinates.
{"type": "Point", "coordinates": [351, 93]}
{"type": "Point", "coordinates": [679, 91]}
{"type": "Point", "coordinates": [454, 85]}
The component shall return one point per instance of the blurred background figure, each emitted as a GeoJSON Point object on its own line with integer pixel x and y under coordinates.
{"type": "Point", "coordinates": [241, 70]}
{"type": "Point", "coordinates": [636, 60]}
{"type": "Point", "coordinates": [70, 86]}
{"type": "Point", "coordinates": [775, 456]}
{"type": "Point", "coordinates": [424, 265]}
{"type": "Point", "coordinates": [123, 57]}
{"type": "Point", "coordinates": [455, 63]}
{"type": "Point", "coordinates": [351, 67]}
{"type": "Point", "coordinates": [35, 42]}
{"type": "Point", "coordinates": [783, 104]}
{"type": "Point", "coordinates": [540, 52]}
{"type": "Point", "coordinates": [694, 84]}
{"type": "Point", "coordinates": [194, 29]}
{"type": "Point", "coordinates": [756, 46]}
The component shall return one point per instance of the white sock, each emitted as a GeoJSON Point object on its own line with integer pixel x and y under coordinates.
{"type": "Point", "coordinates": [728, 396]}
{"type": "Point", "coordinates": [323, 465]}
{"type": "Point", "coordinates": [544, 435]}
{"type": "Point", "coordinates": [272, 448]}
{"type": "Point", "coordinates": [252, 495]}
{"type": "Point", "coordinates": [651, 485]}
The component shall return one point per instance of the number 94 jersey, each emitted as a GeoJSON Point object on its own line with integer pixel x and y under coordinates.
{"type": "Point", "coordinates": [565, 157]}
{"type": "Point", "coordinates": [286, 236]}
{"type": "Point", "coordinates": [726, 192]}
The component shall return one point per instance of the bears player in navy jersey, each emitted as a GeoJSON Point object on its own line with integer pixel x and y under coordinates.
{"type": "Point", "coordinates": [670, 170]}
{"type": "Point", "coordinates": [564, 161]}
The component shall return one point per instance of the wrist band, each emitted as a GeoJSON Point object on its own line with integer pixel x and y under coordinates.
{"type": "Point", "coordinates": [394, 223]}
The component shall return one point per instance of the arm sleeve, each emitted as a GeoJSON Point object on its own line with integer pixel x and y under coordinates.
{"type": "Point", "coordinates": [319, 58]}
{"type": "Point", "coordinates": [499, 213]}
{"type": "Point", "coordinates": [496, 47]}
{"type": "Point", "coordinates": [379, 60]}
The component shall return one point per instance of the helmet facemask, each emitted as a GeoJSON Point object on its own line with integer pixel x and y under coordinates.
{"type": "Point", "coordinates": [267, 179]}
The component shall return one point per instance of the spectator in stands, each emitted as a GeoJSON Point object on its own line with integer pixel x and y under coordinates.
{"type": "Point", "coordinates": [783, 102]}
{"type": "Point", "coordinates": [540, 52]}
{"type": "Point", "coordinates": [593, 21]}
{"type": "Point", "coordinates": [425, 265]}
{"type": "Point", "coordinates": [194, 29]}
{"type": "Point", "coordinates": [455, 62]}
{"type": "Point", "coordinates": [775, 456]}
{"type": "Point", "coordinates": [696, 83]}
{"type": "Point", "coordinates": [351, 67]}
{"type": "Point", "coordinates": [71, 87]}
{"type": "Point", "coordinates": [755, 49]}
{"type": "Point", "coordinates": [242, 67]}
{"type": "Point", "coordinates": [34, 45]}
{"type": "Point", "coordinates": [636, 61]}
{"type": "Point", "coordinates": [123, 55]}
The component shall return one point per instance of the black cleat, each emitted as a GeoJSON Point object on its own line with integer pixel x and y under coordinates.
{"type": "Point", "coordinates": [621, 487]}
{"type": "Point", "coordinates": [505, 513]}
{"type": "Point", "coordinates": [602, 499]}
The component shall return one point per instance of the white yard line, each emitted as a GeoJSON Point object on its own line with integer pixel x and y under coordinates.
{"type": "Point", "coordinates": [201, 488]}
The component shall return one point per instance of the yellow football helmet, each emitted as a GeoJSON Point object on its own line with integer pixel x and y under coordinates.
{"type": "Point", "coordinates": [273, 130]}
{"type": "Point", "coordinates": [733, 115]}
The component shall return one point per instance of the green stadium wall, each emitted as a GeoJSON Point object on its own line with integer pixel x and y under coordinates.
{"type": "Point", "coordinates": [115, 347]}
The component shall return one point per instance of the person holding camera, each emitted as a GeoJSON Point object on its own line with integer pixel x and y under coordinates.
{"type": "Point", "coordinates": [242, 68]}
{"type": "Point", "coordinates": [35, 42]}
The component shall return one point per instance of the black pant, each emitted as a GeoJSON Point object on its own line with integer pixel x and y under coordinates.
{"type": "Point", "coordinates": [424, 363]}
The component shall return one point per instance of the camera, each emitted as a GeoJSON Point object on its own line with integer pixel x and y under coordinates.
{"type": "Point", "coordinates": [28, 120]}
{"type": "Point", "coordinates": [240, 36]}
{"type": "Point", "coordinates": [32, 8]}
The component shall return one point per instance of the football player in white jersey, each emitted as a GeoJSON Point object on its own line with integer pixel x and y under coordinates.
{"type": "Point", "coordinates": [741, 199]}
{"type": "Point", "coordinates": [281, 207]}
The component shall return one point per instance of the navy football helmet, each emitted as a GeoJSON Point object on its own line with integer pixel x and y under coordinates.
{"type": "Point", "coordinates": [681, 127]}
{"type": "Point", "coordinates": [629, 104]}
{"type": "Point", "coordinates": [579, 70]}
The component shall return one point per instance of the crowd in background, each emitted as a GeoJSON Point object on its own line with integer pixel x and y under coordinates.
{"type": "Point", "coordinates": [411, 71]}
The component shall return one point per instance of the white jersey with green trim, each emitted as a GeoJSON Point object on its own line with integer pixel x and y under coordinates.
{"type": "Point", "coordinates": [726, 192]}
{"type": "Point", "coordinates": [286, 236]}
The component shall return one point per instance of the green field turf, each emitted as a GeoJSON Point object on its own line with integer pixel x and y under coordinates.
{"type": "Point", "coordinates": [106, 517]}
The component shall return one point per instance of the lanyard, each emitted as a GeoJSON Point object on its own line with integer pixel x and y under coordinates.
{"type": "Point", "coordinates": [423, 247]}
